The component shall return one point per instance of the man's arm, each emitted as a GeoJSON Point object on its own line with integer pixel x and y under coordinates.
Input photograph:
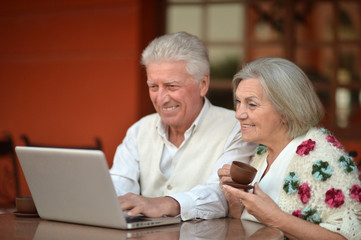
{"type": "Point", "coordinates": [203, 201]}
{"type": "Point", "coordinates": [125, 169]}
{"type": "Point", "coordinates": [208, 201]}
{"type": "Point", "coordinates": [125, 175]}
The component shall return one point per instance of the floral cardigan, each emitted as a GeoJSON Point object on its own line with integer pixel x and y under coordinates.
{"type": "Point", "coordinates": [321, 184]}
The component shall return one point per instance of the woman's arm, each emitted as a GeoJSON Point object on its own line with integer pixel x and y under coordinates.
{"type": "Point", "coordinates": [297, 228]}
{"type": "Point", "coordinates": [262, 207]}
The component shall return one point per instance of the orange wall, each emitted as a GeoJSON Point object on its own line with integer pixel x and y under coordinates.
{"type": "Point", "coordinates": [69, 71]}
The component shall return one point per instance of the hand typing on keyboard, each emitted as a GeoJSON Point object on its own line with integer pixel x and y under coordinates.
{"type": "Point", "coordinates": [150, 207]}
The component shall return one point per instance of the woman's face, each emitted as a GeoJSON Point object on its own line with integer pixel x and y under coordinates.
{"type": "Point", "coordinates": [260, 122]}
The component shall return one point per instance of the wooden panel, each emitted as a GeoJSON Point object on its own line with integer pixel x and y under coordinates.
{"type": "Point", "coordinates": [69, 71]}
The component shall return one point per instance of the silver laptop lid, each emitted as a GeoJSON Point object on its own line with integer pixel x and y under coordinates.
{"type": "Point", "coordinates": [74, 185]}
{"type": "Point", "coordinates": [71, 185]}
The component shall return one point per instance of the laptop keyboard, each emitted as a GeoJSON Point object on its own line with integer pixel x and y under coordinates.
{"type": "Point", "coordinates": [136, 218]}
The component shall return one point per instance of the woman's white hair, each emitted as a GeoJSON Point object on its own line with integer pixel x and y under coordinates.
{"type": "Point", "coordinates": [180, 46]}
{"type": "Point", "coordinates": [289, 90]}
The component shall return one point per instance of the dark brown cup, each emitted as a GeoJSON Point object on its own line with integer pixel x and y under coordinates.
{"type": "Point", "coordinates": [25, 204]}
{"type": "Point", "coordinates": [242, 173]}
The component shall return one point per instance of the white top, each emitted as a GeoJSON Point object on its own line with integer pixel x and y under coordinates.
{"type": "Point", "coordinates": [199, 200]}
{"type": "Point", "coordinates": [272, 183]}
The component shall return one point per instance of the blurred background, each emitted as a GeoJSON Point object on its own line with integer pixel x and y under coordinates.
{"type": "Point", "coordinates": [70, 72]}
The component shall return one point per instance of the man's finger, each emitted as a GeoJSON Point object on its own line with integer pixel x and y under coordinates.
{"type": "Point", "coordinates": [126, 203]}
{"type": "Point", "coordinates": [134, 211]}
{"type": "Point", "coordinates": [126, 206]}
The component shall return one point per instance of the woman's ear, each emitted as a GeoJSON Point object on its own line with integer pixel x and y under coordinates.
{"type": "Point", "coordinates": [284, 121]}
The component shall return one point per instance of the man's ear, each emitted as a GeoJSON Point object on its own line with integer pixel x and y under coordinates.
{"type": "Point", "coordinates": [204, 85]}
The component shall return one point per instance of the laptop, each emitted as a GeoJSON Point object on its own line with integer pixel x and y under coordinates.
{"type": "Point", "coordinates": [74, 185]}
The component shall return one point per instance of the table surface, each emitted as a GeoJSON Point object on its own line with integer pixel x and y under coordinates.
{"type": "Point", "coordinates": [13, 227]}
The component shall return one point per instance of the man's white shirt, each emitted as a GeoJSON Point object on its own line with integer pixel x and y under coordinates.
{"type": "Point", "coordinates": [203, 201]}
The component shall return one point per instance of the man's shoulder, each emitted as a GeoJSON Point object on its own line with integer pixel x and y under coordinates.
{"type": "Point", "coordinates": [222, 113]}
{"type": "Point", "coordinates": [222, 109]}
{"type": "Point", "coordinates": [145, 120]}
{"type": "Point", "coordinates": [218, 120]}
{"type": "Point", "coordinates": [150, 117]}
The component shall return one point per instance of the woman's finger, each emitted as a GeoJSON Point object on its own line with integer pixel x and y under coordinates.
{"type": "Point", "coordinates": [239, 194]}
{"type": "Point", "coordinates": [258, 191]}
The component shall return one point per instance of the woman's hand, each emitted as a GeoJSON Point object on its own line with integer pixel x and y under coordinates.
{"type": "Point", "coordinates": [259, 204]}
{"type": "Point", "coordinates": [262, 207]}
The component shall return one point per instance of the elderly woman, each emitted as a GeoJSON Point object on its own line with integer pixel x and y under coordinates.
{"type": "Point", "coordinates": [306, 185]}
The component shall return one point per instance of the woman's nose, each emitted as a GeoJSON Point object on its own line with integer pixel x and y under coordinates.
{"type": "Point", "coordinates": [241, 114]}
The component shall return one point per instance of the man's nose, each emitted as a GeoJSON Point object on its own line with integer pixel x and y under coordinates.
{"type": "Point", "coordinates": [162, 95]}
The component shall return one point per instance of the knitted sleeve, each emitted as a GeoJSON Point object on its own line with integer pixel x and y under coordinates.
{"type": "Point", "coordinates": [322, 185]}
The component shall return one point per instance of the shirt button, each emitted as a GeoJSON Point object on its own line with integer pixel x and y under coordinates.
{"type": "Point", "coordinates": [169, 187]}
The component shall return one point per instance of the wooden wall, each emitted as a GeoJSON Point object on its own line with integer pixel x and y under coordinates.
{"type": "Point", "coordinates": [69, 71]}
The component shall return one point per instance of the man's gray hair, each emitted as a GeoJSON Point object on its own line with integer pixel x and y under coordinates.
{"type": "Point", "coordinates": [289, 90]}
{"type": "Point", "coordinates": [180, 46]}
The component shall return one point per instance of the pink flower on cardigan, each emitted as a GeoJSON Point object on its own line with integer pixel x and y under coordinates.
{"type": "Point", "coordinates": [334, 141]}
{"type": "Point", "coordinates": [305, 147]}
{"type": "Point", "coordinates": [334, 198]}
{"type": "Point", "coordinates": [304, 192]}
{"type": "Point", "coordinates": [356, 192]}
{"type": "Point", "coordinates": [297, 213]}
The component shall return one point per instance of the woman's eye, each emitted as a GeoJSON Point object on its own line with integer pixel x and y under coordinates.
{"type": "Point", "coordinates": [252, 105]}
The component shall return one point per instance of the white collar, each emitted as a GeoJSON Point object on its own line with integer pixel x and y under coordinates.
{"type": "Point", "coordinates": [163, 128]}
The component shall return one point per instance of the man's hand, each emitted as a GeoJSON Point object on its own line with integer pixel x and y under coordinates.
{"type": "Point", "coordinates": [150, 207]}
{"type": "Point", "coordinates": [235, 209]}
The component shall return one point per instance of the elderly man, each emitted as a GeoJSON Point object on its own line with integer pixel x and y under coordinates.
{"type": "Point", "coordinates": [167, 163]}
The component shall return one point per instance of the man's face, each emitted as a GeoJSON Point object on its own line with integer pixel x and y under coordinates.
{"type": "Point", "coordinates": [175, 95]}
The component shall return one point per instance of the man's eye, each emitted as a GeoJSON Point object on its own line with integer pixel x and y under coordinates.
{"type": "Point", "coordinates": [153, 87]}
{"type": "Point", "coordinates": [172, 87]}
{"type": "Point", "coordinates": [252, 105]}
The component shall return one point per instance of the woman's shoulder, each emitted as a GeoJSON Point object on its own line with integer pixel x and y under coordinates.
{"type": "Point", "coordinates": [320, 145]}
{"type": "Point", "coordinates": [321, 180]}
{"type": "Point", "coordinates": [321, 165]}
